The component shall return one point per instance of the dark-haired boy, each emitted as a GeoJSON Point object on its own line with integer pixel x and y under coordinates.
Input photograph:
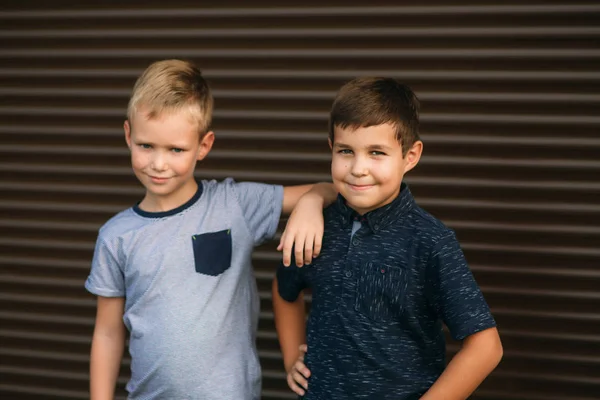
{"type": "Point", "coordinates": [389, 274]}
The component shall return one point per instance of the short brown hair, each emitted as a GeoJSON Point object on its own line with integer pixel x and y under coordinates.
{"type": "Point", "coordinates": [172, 86]}
{"type": "Point", "coordinates": [365, 102]}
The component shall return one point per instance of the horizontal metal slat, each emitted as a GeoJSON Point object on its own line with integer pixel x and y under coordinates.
{"type": "Point", "coordinates": [483, 75]}
{"type": "Point", "coordinates": [44, 391]}
{"type": "Point", "coordinates": [174, 33]}
{"type": "Point", "coordinates": [314, 95]}
{"type": "Point", "coordinates": [508, 394]}
{"type": "Point", "coordinates": [49, 225]}
{"type": "Point", "coordinates": [46, 244]}
{"type": "Point", "coordinates": [559, 9]}
{"type": "Point", "coordinates": [47, 318]}
{"type": "Point", "coordinates": [45, 336]}
{"type": "Point", "coordinates": [441, 53]}
{"type": "Point", "coordinates": [488, 119]}
{"type": "Point", "coordinates": [53, 264]}
{"type": "Point", "coordinates": [49, 355]}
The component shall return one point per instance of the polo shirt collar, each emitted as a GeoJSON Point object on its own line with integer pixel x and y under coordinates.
{"type": "Point", "coordinates": [382, 216]}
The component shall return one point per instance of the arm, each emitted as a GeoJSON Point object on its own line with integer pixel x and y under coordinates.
{"type": "Point", "coordinates": [479, 355]}
{"type": "Point", "coordinates": [322, 193]}
{"type": "Point", "coordinates": [108, 343]}
{"type": "Point", "coordinates": [290, 322]}
{"type": "Point", "coordinates": [459, 302]}
{"type": "Point", "coordinates": [304, 229]}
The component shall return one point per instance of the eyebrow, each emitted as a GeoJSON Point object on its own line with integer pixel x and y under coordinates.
{"type": "Point", "coordinates": [338, 144]}
{"type": "Point", "coordinates": [154, 144]}
{"type": "Point", "coordinates": [379, 147]}
{"type": "Point", "coordinates": [370, 147]}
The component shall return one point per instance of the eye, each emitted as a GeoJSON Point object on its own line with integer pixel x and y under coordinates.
{"type": "Point", "coordinates": [345, 151]}
{"type": "Point", "coordinates": [145, 146]}
{"type": "Point", "coordinates": [377, 153]}
{"type": "Point", "coordinates": [176, 150]}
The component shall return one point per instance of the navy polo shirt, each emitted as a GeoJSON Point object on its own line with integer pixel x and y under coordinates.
{"type": "Point", "coordinates": [380, 294]}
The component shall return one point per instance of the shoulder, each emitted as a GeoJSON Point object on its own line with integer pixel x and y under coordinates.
{"type": "Point", "coordinates": [429, 230]}
{"type": "Point", "coordinates": [330, 212]}
{"type": "Point", "coordinates": [213, 186]}
{"type": "Point", "coordinates": [333, 220]}
{"type": "Point", "coordinates": [219, 193]}
{"type": "Point", "coordinates": [120, 224]}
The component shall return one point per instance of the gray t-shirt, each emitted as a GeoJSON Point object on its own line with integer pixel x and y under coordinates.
{"type": "Point", "coordinates": [191, 302]}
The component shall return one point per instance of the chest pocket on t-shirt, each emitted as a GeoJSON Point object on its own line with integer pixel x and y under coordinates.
{"type": "Point", "coordinates": [212, 252]}
{"type": "Point", "coordinates": [380, 291]}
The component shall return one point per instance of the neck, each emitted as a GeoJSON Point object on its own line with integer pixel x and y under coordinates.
{"type": "Point", "coordinates": [157, 203]}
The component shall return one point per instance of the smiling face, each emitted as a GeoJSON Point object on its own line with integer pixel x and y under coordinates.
{"type": "Point", "coordinates": [367, 165]}
{"type": "Point", "coordinates": [164, 151]}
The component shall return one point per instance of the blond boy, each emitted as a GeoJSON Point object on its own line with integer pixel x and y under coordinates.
{"type": "Point", "coordinates": [175, 269]}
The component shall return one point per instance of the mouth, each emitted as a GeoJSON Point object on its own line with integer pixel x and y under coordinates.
{"type": "Point", "coordinates": [158, 179]}
{"type": "Point", "coordinates": [359, 188]}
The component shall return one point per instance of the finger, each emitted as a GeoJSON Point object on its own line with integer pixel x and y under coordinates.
{"type": "Point", "coordinates": [294, 386]}
{"type": "Point", "coordinates": [282, 239]}
{"type": "Point", "coordinates": [308, 250]}
{"type": "Point", "coordinates": [299, 249]}
{"type": "Point", "coordinates": [287, 249]}
{"type": "Point", "coordinates": [303, 349]}
{"type": "Point", "coordinates": [318, 244]}
{"type": "Point", "coordinates": [302, 369]}
{"type": "Point", "coordinates": [300, 379]}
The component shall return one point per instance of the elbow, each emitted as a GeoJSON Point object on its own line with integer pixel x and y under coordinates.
{"type": "Point", "coordinates": [497, 351]}
{"type": "Point", "coordinates": [487, 346]}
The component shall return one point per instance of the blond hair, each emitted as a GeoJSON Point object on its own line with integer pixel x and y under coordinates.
{"type": "Point", "coordinates": [172, 86]}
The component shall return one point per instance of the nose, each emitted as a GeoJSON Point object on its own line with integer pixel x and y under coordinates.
{"type": "Point", "coordinates": [159, 161]}
{"type": "Point", "coordinates": [360, 167]}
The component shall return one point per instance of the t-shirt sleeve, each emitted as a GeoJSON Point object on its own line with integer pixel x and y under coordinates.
{"type": "Point", "coordinates": [456, 296]}
{"type": "Point", "coordinates": [261, 206]}
{"type": "Point", "coordinates": [106, 278]}
{"type": "Point", "coordinates": [291, 280]}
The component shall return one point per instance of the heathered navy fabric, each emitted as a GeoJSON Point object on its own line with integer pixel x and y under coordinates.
{"type": "Point", "coordinates": [379, 299]}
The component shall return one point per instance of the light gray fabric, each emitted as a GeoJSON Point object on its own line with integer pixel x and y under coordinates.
{"type": "Point", "coordinates": [355, 227]}
{"type": "Point", "coordinates": [192, 334]}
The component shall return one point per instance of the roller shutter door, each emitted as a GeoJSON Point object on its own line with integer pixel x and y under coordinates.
{"type": "Point", "coordinates": [510, 98]}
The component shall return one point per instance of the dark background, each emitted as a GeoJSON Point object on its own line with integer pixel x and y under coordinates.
{"type": "Point", "coordinates": [510, 97]}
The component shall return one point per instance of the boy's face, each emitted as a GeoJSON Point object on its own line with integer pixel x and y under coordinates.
{"type": "Point", "coordinates": [164, 151]}
{"type": "Point", "coordinates": [367, 165]}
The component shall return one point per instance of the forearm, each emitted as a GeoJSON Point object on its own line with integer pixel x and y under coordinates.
{"type": "Point", "coordinates": [468, 368]}
{"type": "Point", "coordinates": [324, 193]}
{"type": "Point", "coordinates": [106, 354]}
{"type": "Point", "coordinates": [290, 322]}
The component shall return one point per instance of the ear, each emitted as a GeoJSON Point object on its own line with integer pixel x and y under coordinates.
{"type": "Point", "coordinates": [127, 129]}
{"type": "Point", "coordinates": [205, 145]}
{"type": "Point", "coordinates": [330, 144]}
{"type": "Point", "coordinates": [413, 156]}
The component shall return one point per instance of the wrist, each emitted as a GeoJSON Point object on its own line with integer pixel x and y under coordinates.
{"type": "Point", "coordinates": [288, 366]}
{"type": "Point", "coordinates": [326, 192]}
{"type": "Point", "coordinates": [314, 196]}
